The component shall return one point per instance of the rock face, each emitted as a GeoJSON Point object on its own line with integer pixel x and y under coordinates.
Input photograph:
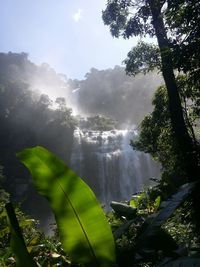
{"type": "Point", "coordinates": [106, 161]}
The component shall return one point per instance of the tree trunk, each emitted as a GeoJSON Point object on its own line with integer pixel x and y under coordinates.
{"type": "Point", "coordinates": [183, 139]}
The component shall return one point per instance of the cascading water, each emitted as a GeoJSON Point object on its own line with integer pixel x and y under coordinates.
{"type": "Point", "coordinates": [107, 162]}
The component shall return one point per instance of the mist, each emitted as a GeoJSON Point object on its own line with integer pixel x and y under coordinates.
{"type": "Point", "coordinates": [41, 107]}
{"type": "Point", "coordinates": [109, 92]}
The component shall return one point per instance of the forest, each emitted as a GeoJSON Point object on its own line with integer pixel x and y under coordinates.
{"type": "Point", "coordinates": [154, 101]}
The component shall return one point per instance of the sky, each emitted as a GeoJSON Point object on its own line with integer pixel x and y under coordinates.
{"type": "Point", "coordinates": [69, 35]}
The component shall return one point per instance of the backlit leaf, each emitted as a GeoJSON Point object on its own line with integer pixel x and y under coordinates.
{"type": "Point", "coordinates": [23, 259]}
{"type": "Point", "coordinates": [85, 233]}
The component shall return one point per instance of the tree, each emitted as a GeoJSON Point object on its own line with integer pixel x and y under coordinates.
{"type": "Point", "coordinates": [156, 136]}
{"type": "Point", "coordinates": [175, 24]}
{"type": "Point", "coordinates": [156, 18]}
{"type": "Point", "coordinates": [27, 118]}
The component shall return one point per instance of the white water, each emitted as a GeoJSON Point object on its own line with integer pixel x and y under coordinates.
{"type": "Point", "coordinates": [107, 162]}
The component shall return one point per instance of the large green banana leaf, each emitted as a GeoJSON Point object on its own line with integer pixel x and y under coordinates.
{"type": "Point", "coordinates": [23, 259]}
{"type": "Point", "coordinates": [85, 233]}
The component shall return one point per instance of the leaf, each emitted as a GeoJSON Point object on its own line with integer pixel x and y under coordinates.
{"type": "Point", "coordinates": [133, 203]}
{"type": "Point", "coordinates": [23, 258]}
{"type": "Point", "coordinates": [173, 203]}
{"type": "Point", "coordinates": [170, 206]}
{"type": "Point", "coordinates": [4, 232]}
{"type": "Point", "coordinates": [158, 241]}
{"type": "Point", "coordinates": [122, 229]}
{"type": "Point", "coordinates": [85, 233]}
{"type": "Point", "coordinates": [55, 255]}
{"type": "Point", "coordinates": [187, 262]}
{"type": "Point", "coordinates": [141, 196]}
{"type": "Point", "coordinates": [157, 203]}
{"type": "Point", "coordinates": [26, 222]}
{"type": "Point", "coordinates": [123, 209]}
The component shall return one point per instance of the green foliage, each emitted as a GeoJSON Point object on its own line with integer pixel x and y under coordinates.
{"type": "Point", "coordinates": [181, 227]}
{"type": "Point", "coordinates": [23, 258]}
{"type": "Point", "coordinates": [27, 118]}
{"type": "Point", "coordinates": [183, 20]}
{"type": "Point", "coordinates": [168, 208]}
{"type": "Point", "coordinates": [46, 251]}
{"type": "Point", "coordinates": [167, 133]}
{"type": "Point", "coordinates": [190, 95]}
{"type": "Point", "coordinates": [142, 58]}
{"type": "Point", "coordinates": [156, 18]}
{"type": "Point", "coordinates": [160, 234]}
{"type": "Point", "coordinates": [146, 238]}
{"type": "Point", "coordinates": [74, 204]}
{"type": "Point", "coordinates": [156, 134]}
{"type": "Point", "coordinates": [8, 223]}
{"type": "Point", "coordinates": [156, 138]}
{"type": "Point", "coordinates": [117, 16]}
{"type": "Point", "coordinates": [130, 18]}
{"type": "Point", "coordinates": [49, 252]}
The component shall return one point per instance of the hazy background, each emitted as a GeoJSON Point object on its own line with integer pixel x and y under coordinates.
{"type": "Point", "coordinates": [68, 35]}
{"type": "Point", "coordinates": [60, 69]}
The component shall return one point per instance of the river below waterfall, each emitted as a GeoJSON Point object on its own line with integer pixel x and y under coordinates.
{"type": "Point", "coordinates": [109, 165]}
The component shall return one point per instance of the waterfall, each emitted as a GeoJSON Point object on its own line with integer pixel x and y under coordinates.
{"type": "Point", "coordinates": [108, 164]}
